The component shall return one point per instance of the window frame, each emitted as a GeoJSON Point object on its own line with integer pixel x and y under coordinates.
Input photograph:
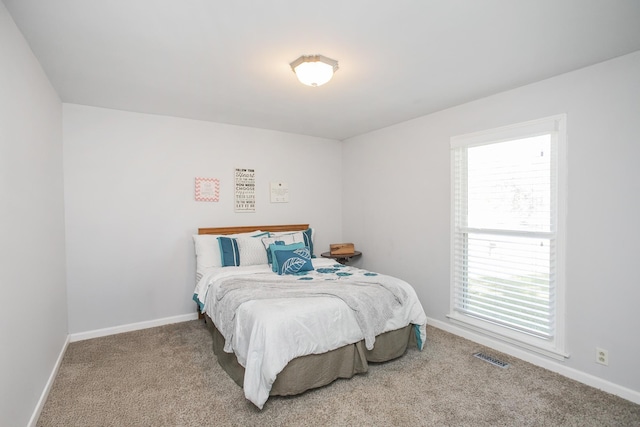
{"type": "Point", "coordinates": [555, 346]}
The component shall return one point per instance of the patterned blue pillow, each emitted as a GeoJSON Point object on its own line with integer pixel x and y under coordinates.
{"type": "Point", "coordinates": [273, 248]}
{"type": "Point", "coordinates": [294, 261]}
{"type": "Point", "coordinates": [229, 253]}
{"type": "Point", "coordinates": [285, 239]}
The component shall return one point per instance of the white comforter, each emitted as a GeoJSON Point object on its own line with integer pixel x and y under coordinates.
{"type": "Point", "coordinates": [269, 333]}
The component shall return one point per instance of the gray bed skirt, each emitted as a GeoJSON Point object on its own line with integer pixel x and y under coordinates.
{"type": "Point", "coordinates": [317, 370]}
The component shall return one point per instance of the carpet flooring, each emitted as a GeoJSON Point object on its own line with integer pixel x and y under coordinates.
{"type": "Point", "coordinates": [169, 376]}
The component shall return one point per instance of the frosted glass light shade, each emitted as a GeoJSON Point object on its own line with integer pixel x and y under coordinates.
{"type": "Point", "coordinates": [314, 70]}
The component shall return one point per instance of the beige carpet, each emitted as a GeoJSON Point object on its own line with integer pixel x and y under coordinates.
{"type": "Point", "coordinates": [168, 376]}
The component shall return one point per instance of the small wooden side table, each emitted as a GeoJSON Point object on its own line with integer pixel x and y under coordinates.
{"type": "Point", "coordinates": [342, 258]}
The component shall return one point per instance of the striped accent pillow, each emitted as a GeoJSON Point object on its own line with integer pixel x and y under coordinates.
{"type": "Point", "coordinates": [229, 253]}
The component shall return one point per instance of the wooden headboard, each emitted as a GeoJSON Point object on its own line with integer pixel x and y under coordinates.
{"type": "Point", "coordinates": [249, 228]}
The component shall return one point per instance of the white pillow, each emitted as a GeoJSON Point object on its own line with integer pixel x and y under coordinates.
{"type": "Point", "coordinates": [300, 234]}
{"type": "Point", "coordinates": [208, 249]}
{"type": "Point", "coordinates": [251, 251]}
{"type": "Point", "coordinates": [287, 238]}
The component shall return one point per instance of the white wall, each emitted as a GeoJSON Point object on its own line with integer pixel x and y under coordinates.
{"type": "Point", "coordinates": [33, 307]}
{"type": "Point", "coordinates": [396, 205]}
{"type": "Point", "coordinates": [130, 208]}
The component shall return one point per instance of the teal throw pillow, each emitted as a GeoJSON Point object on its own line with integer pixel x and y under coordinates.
{"type": "Point", "coordinates": [293, 261]}
{"type": "Point", "coordinates": [308, 240]}
{"type": "Point", "coordinates": [274, 248]}
{"type": "Point", "coordinates": [229, 253]}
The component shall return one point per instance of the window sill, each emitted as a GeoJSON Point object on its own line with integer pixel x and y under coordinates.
{"type": "Point", "coordinates": [509, 337]}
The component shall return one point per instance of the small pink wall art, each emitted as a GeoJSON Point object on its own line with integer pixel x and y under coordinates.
{"type": "Point", "coordinates": [207, 189]}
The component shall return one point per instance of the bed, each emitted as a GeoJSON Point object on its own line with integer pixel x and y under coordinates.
{"type": "Point", "coordinates": [304, 325]}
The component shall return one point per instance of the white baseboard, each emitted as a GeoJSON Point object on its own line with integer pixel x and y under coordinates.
{"type": "Point", "coordinates": [574, 374]}
{"type": "Point", "coordinates": [80, 336]}
{"type": "Point", "coordinates": [48, 385]}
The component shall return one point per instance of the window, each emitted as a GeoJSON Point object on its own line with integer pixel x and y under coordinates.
{"type": "Point", "coordinates": [507, 233]}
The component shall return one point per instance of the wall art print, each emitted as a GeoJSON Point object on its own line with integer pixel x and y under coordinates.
{"type": "Point", "coordinates": [245, 190]}
{"type": "Point", "coordinates": [207, 189]}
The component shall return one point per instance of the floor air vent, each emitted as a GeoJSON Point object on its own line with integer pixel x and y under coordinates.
{"type": "Point", "coordinates": [492, 360]}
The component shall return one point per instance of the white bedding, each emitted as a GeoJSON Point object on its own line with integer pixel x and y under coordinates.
{"type": "Point", "coordinates": [269, 333]}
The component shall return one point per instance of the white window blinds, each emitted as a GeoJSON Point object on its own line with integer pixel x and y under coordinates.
{"type": "Point", "coordinates": [505, 223]}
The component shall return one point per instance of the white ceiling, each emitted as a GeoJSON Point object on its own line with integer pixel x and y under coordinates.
{"type": "Point", "coordinates": [228, 61]}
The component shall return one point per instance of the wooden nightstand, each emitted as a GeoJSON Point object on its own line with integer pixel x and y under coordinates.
{"type": "Point", "coordinates": [343, 258]}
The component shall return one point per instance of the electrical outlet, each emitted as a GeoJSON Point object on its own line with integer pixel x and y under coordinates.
{"type": "Point", "coordinates": [602, 356]}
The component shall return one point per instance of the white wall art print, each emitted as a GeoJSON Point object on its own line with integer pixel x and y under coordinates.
{"type": "Point", "coordinates": [207, 189]}
{"type": "Point", "coordinates": [279, 192]}
{"type": "Point", "coordinates": [245, 190]}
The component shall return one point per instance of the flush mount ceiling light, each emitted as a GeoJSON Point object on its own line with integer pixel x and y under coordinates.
{"type": "Point", "coordinates": [314, 70]}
